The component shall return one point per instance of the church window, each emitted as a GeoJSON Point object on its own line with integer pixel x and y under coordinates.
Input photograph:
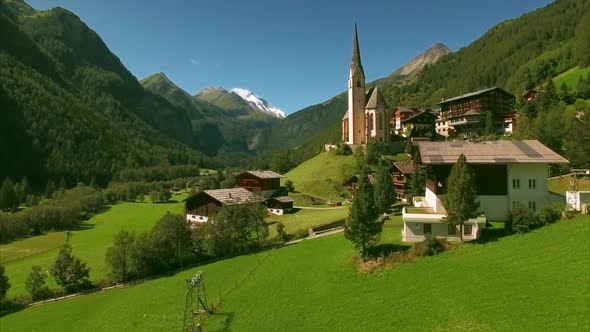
{"type": "Point", "coordinates": [381, 121]}
{"type": "Point", "coordinates": [358, 83]}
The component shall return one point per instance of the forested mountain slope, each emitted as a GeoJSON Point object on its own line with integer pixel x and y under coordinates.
{"type": "Point", "coordinates": [70, 108]}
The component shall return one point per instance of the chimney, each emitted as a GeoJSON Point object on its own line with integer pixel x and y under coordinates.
{"type": "Point", "coordinates": [229, 194]}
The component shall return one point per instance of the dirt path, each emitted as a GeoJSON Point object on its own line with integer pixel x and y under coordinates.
{"type": "Point", "coordinates": [318, 208]}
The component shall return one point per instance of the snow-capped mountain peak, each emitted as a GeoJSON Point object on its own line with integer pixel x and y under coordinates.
{"type": "Point", "coordinates": [258, 103]}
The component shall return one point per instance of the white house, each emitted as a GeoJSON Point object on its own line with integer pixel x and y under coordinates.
{"type": "Point", "coordinates": [506, 173]}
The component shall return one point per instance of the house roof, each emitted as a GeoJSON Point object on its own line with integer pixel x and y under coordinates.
{"type": "Point", "coordinates": [471, 94]}
{"type": "Point", "coordinates": [416, 115]}
{"type": "Point", "coordinates": [232, 196]}
{"type": "Point", "coordinates": [488, 152]}
{"type": "Point", "coordinates": [345, 116]}
{"type": "Point", "coordinates": [406, 167]}
{"type": "Point", "coordinates": [266, 174]}
{"type": "Point", "coordinates": [376, 99]}
{"type": "Point", "coordinates": [284, 199]}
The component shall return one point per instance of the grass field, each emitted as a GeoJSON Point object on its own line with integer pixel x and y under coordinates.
{"type": "Point", "coordinates": [571, 77]}
{"type": "Point", "coordinates": [561, 184]}
{"type": "Point", "coordinates": [322, 175]}
{"type": "Point", "coordinates": [534, 282]}
{"type": "Point", "coordinates": [305, 218]}
{"type": "Point", "coordinates": [89, 243]}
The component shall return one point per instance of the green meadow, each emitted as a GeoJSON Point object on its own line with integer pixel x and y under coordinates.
{"type": "Point", "coordinates": [89, 242]}
{"type": "Point", "coordinates": [571, 77]}
{"type": "Point", "coordinates": [305, 218]}
{"type": "Point", "coordinates": [538, 281]}
{"type": "Point", "coordinates": [322, 176]}
{"type": "Point", "coordinates": [560, 185]}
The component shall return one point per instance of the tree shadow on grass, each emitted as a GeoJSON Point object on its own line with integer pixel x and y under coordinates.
{"type": "Point", "coordinates": [491, 234]}
{"type": "Point", "coordinates": [387, 249]}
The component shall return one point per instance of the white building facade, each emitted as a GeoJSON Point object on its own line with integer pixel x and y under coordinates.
{"type": "Point", "coordinates": [507, 173]}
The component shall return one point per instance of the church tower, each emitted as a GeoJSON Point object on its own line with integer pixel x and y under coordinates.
{"type": "Point", "coordinates": [356, 97]}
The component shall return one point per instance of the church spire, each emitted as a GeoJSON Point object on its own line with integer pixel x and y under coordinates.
{"type": "Point", "coordinates": [356, 53]}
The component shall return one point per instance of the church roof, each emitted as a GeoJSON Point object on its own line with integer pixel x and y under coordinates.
{"type": "Point", "coordinates": [376, 99]}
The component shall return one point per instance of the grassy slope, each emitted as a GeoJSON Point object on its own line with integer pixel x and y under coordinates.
{"type": "Point", "coordinates": [321, 176]}
{"type": "Point", "coordinates": [571, 77]}
{"type": "Point", "coordinates": [537, 281]}
{"type": "Point", "coordinates": [303, 219]}
{"type": "Point", "coordinates": [89, 243]}
{"type": "Point", "coordinates": [561, 185]}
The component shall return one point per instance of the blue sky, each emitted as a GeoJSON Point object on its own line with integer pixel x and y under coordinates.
{"type": "Point", "coordinates": [293, 53]}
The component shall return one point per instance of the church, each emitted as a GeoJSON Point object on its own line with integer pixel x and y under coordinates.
{"type": "Point", "coordinates": [368, 115]}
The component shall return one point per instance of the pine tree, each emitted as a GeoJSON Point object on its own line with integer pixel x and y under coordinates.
{"type": "Point", "coordinates": [460, 200]}
{"type": "Point", "coordinates": [50, 188]}
{"type": "Point", "coordinates": [583, 39]}
{"type": "Point", "coordinates": [7, 195]}
{"type": "Point", "coordinates": [362, 226]}
{"type": "Point", "coordinates": [384, 191]}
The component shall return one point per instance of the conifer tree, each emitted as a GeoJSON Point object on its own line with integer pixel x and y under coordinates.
{"type": "Point", "coordinates": [460, 200]}
{"type": "Point", "coordinates": [362, 226]}
{"type": "Point", "coordinates": [384, 191]}
{"type": "Point", "coordinates": [7, 195]}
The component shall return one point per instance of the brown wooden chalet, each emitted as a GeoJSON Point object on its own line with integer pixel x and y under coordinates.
{"type": "Point", "coordinates": [421, 124]}
{"type": "Point", "coordinates": [466, 114]}
{"type": "Point", "coordinates": [400, 171]}
{"type": "Point", "coordinates": [281, 202]}
{"type": "Point", "coordinates": [259, 181]}
{"type": "Point", "coordinates": [207, 203]}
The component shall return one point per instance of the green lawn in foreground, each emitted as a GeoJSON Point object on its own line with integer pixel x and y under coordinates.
{"type": "Point", "coordinates": [534, 282]}
{"type": "Point", "coordinates": [89, 243]}
{"type": "Point", "coordinates": [560, 185]}
{"type": "Point", "coordinates": [305, 218]}
{"type": "Point", "coordinates": [322, 175]}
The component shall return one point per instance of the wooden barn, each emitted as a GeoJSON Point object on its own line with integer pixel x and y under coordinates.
{"type": "Point", "coordinates": [200, 207]}
{"type": "Point", "coordinates": [400, 172]}
{"type": "Point", "coordinates": [279, 205]}
{"type": "Point", "coordinates": [259, 181]}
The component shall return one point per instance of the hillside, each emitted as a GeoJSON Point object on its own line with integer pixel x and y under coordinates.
{"type": "Point", "coordinates": [322, 176]}
{"type": "Point", "coordinates": [71, 109]}
{"type": "Point", "coordinates": [512, 55]}
{"type": "Point", "coordinates": [490, 286]}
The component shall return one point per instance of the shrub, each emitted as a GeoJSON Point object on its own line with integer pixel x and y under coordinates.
{"type": "Point", "coordinates": [521, 219]}
{"type": "Point", "coordinates": [282, 236]}
{"type": "Point", "coordinates": [290, 186]}
{"type": "Point", "coordinates": [343, 150]}
{"type": "Point", "coordinates": [549, 214]}
{"type": "Point", "coordinates": [429, 247]}
{"type": "Point", "coordinates": [301, 233]}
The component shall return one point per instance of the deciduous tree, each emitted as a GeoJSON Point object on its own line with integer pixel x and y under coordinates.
{"type": "Point", "coordinates": [69, 272]}
{"type": "Point", "coordinates": [460, 200]}
{"type": "Point", "coordinates": [4, 284]}
{"type": "Point", "coordinates": [35, 283]}
{"type": "Point", "coordinates": [118, 257]}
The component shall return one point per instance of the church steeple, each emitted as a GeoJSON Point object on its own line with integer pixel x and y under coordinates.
{"type": "Point", "coordinates": [356, 68]}
{"type": "Point", "coordinates": [356, 53]}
